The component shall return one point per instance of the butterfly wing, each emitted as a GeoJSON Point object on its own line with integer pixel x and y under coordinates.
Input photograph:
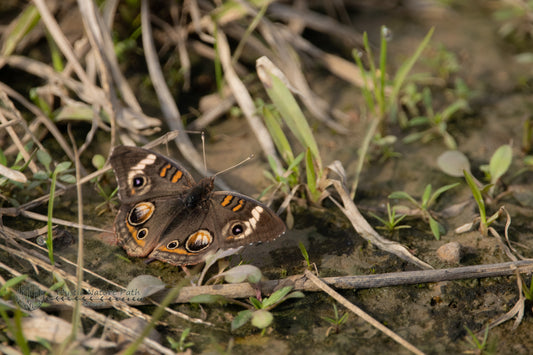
{"type": "Point", "coordinates": [139, 226]}
{"type": "Point", "coordinates": [141, 172]}
{"type": "Point", "coordinates": [226, 220]}
{"type": "Point", "coordinates": [151, 187]}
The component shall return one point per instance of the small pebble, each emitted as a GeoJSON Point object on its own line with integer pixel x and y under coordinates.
{"type": "Point", "coordinates": [450, 253]}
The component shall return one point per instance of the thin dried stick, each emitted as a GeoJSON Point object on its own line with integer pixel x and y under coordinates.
{"type": "Point", "coordinates": [359, 312]}
{"type": "Point", "coordinates": [301, 283]}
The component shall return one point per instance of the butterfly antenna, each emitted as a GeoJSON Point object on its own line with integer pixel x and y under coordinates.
{"type": "Point", "coordinates": [250, 157]}
{"type": "Point", "coordinates": [203, 151]}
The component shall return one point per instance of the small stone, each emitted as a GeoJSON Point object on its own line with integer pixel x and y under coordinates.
{"type": "Point", "coordinates": [450, 253]}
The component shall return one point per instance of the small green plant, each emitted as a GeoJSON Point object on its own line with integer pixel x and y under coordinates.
{"type": "Point", "coordinates": [382, 99]}
{"type": "Point", "coordinates": [257, 310]}
{"type": "Point", "coordinates": [480, 346]}
{"type": "Point", "coordinates": [181, 345]}
{"type": "Point", "coordinates": [336, 321]}
{"type": "Point", "coordinates": [423, 207]}
{"type": "Point", "coordinates": [305, 254]}
{"type": "Point", "coordinates": [484, 221]}
{"type": "Point", "coordinates": [437, 121]}
{"type": "Point", "coordinates": [260, 315]}
{"type": "Point", "coordinates": [443, 62]}
{"type": "Point", "coordinates": [392, 223]}
{"type": "Point", "coordinates": [498, 166]}
{"type": "Point", "coordinates": [14, 326]}
{"type": "Point", "coordinates": [515, 24]}
{"type": "Point", "coordinates": [527, 291]}
{"type": "Point", "coordinates": [293, 117]}
{"type": "Point", "coordinates": [14, 323]}
{"type": "Point", "coordinates": [58, 173]}
{"type": "Point", "coordinates": [453, 163]}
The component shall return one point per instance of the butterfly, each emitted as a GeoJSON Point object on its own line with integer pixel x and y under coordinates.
{"type": "Point", "coordinates": [166, 215]}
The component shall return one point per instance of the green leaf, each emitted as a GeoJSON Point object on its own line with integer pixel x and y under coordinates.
{"type": "Point", "coordinates": [40, 175]}
{"type": "Point", "coordinates": [294, 164]}
{"type": "Point", "coordinates": [68, 178]}
{"type": "Point", "coordinates": [500, 162]}
{"type": "Point", "coordinates": [406, 67]}
{"type": "Point", "coordinates": [255, 302]}
{"type": "Point", "coordinates": [440, 191]}
{"type": "Point", "coordinates": [435, 227]}
{"type": "Point", "coordinates": [3, 159]}
{"type": "Point", "coordinates": [453, 162]}
{"type": "Point", "coordinates": [295, 294]}
{"type": "Point", "coordinates": [98, 161]}
{"type": "Point", "coordinates": [425, 196]}
{"type": "Point", "coordinates": [304, 251]}
{"type": "Point", "coordinates": [262, 319]}
{"type": "Point", "coordinates": [241, 273]}
{"type": "Point", "coordinates": [241, 319]}
{"type": "Point", "coordinates": [477, 196]}
{"type": "Point", "coordinates": [44, 158]}
{"type": "Point", "coordinates": [402, 195]}
{"type": "Point", "coordinates": [62, 166]}
{"type": "Point", "coordinates": [276, 296]}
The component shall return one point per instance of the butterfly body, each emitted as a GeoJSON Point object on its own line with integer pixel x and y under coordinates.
{"type": "Point", "coordinates": [166, 215]}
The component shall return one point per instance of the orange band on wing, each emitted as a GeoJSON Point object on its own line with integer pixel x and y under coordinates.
{"type": "Point", "coordinates": [177, 176]}
{"type": "Point", "coordinates": [133, 233]}
{"type": "Point", "coordinates": [175, 251]}
{"type": "Point", "coordinates": [227, 200]}
{"type": "Point", "coordinates": [163, 171]}
{"type": "Point", "coordinates": [240, 205]}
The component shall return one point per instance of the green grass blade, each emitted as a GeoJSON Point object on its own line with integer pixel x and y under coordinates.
{"type": "Point", "coordinates": [25, 22]}
{"type": "Point", "coordinates": [383, 70]}
{"type": "Point", "coordinates": [435, 227]}
{"type": "Point", "coordinates": [426, 196]}
{"type": "Point", "coordinates": [440, 191]}
{"type": "Point", "coordinates": [279, 138]}
{"type": "Point", "coordinates": [49, 240]}
{"type": "Point", "coordinates": [15, 329]}
{"type": "Point", "coordinates": [293, 116]}
{"type": "Point", "coordinates": [367, 94]}
{"type": "Point", "coordinates": [402, 195]}
{"type": "Point", "coordinates": [477, 196]}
